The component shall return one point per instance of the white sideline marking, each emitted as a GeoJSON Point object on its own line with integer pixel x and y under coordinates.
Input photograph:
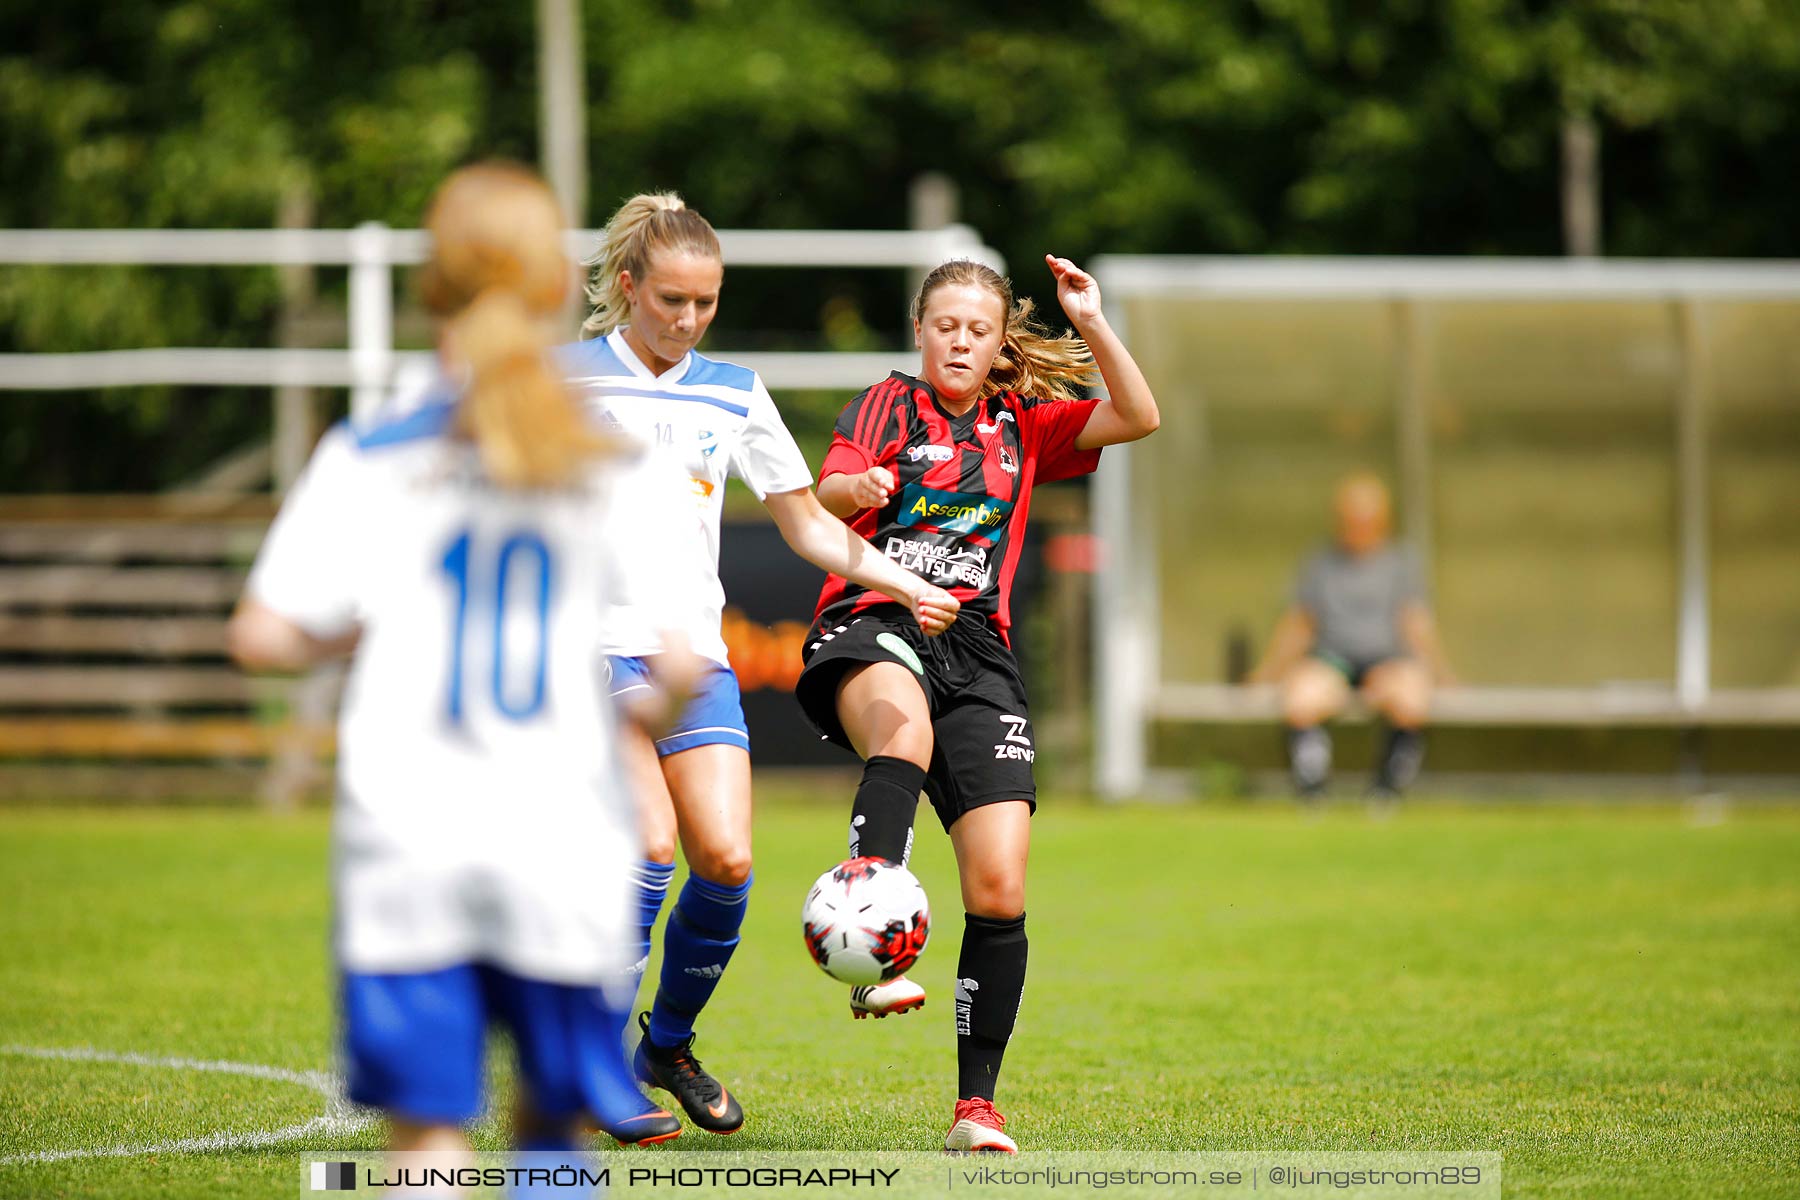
{"type": "Point", "coordinates": [339, 1117]}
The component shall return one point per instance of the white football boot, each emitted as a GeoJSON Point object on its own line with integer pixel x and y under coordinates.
{"type": "Point", "coordinates": [879, 999]}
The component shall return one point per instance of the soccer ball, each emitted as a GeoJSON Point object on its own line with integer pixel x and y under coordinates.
{"type": "Point", "coordinates": [866, 920]}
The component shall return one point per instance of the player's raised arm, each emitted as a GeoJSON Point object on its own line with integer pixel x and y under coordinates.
{"type": "Point", "coordinates": [1129, 411]}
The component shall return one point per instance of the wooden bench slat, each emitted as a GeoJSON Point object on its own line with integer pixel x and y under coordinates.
{"type": "Point", "coordinates": [141, 539]}
{"type": "Point", "coordinates": [57, 687]}
{"type": "Point", "coordinates": [1585, 707]}
{"type": "Point", "coordinates": [211, 738]}
{"type": "Point", "coordinates": [175, 507]}
{"type": "Point", "coordinates": [121, 587]}
{"type": "Point", "coordinates": [162, 637]}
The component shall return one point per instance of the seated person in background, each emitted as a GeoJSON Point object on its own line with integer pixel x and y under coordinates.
{"type": "Point", "coordinates": [1359, 620]}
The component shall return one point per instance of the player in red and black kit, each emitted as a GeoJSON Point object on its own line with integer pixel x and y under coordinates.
{"type": "Point", "coordinates": [937, 472]}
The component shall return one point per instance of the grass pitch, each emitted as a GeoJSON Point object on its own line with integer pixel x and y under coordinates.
{"type": "Point", "coordinates": [1608, 996]}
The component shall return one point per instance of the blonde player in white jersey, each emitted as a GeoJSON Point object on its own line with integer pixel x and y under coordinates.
{"type": "Point", "coordinates": [655, 289]}
{"type": "Point", "coordinates": [483, 840]}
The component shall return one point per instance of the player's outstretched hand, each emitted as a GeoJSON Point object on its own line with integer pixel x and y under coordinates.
{"type": "Point", "coordinates": [934, 609]}
{"type": "Point", "coordinates": [872, 488]}
{"type": "Point", "coordinates": [675, 676]}
{"type": "Point", "coordinates": [1076, 289]}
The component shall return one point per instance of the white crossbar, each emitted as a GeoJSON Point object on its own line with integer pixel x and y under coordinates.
{"type": "Point", "coordinates": [1444, 278]}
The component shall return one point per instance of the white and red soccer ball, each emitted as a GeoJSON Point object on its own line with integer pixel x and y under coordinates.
{"type": "Point", "coordinates": [866, 921]}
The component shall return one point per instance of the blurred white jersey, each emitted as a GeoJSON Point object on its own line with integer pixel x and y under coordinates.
{"type": "Point", "coordinates": [708, 420]}
{"type": "Point", "coordinates": [481, 816]}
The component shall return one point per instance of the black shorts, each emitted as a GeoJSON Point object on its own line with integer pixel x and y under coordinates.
{"type": "Point", "coordinates": [982, 747]}
{"type": "Point", "coordinates": [1353, 669]}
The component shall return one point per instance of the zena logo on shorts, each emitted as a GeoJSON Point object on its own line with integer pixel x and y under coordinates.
{"type": "Point", "coordinates": [1015, 744]}
{"type": "Point", "coordinates": [951, 512]}
{"type": "Point", "coordinates": [931, 453]}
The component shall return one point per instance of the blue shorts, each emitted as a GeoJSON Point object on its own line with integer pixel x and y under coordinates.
{"type": "Point", "coordinates": [714, 717]}
{"type": "Point", "coordinates": [415, 1044]}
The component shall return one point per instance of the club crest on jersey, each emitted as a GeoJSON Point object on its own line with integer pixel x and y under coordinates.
{"type": "Point", "coordinates": [709, 441]}
{"type": "Point", "coordinates": [951, 512]}
{"type": "Point", "coordinates": [1008, 463]}
{"type": "Point", "coordinates": [936, 454]}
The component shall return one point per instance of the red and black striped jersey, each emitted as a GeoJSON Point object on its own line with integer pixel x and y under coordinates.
{"type": "Point", "coordinates": [962, 487]}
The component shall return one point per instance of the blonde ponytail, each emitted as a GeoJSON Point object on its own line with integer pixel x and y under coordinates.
{"type": "Point", "coordinates": [496, 271]}
{"type": "Point", "coordinates": [1032, 361]}
{"type": "Point", "coordinates": [527, 429]}
{"type": "Point", "coordinates": [644, 224]}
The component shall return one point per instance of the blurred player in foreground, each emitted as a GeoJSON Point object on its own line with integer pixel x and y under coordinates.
{"type": "Point", "coordinates": [938, 471]}
{"type": "Point", "coordinates": [655, 290]}
{"type": "Point", "coordinates": [1359, 620]}
{"type": "Point", "coordinates": [483, 842]}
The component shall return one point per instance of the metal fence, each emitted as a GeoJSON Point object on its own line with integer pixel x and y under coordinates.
{"type": "Point", "coordinates": [371, 252]}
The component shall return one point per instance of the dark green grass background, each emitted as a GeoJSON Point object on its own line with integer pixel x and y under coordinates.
{"type": "Point", "coordinates": [1610, 996]}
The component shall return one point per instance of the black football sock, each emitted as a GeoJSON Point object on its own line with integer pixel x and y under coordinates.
{"type": "Point", "coordinates": [881, 820]}
{"type": "Point", "coordinates": [1309, 757]}
{"type": "Point", "coordinates": [1401, 759]}
{"type": "Point", "coordinates": [990, 982]}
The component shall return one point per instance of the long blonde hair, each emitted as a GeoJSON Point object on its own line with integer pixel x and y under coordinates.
{"type": "Point", "coordinates": [1032, 361]}
{"type": "Point", "coordinates": [644, 224]}
{"type": "Point", "coordinates": [497, 269]}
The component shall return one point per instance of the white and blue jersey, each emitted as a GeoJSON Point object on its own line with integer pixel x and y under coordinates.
{"type": "Point", "coordinates": [707, 420]}
{"type": "Point", "coordinates": [481, 814]}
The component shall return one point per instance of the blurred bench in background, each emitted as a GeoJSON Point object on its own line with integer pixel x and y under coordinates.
{"type": "Point", "coordinates": [1608, 707]}
{"type": "Point", "coordinates": [114, 682]}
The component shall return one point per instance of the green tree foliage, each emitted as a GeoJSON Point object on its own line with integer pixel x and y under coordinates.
{"type": "Point", "coordinates": [209, 114]}
{"type": "Point", "coordinates": [1236, 126]}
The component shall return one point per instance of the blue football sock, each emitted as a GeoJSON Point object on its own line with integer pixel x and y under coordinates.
{"type": "Point", "coordinates": [697, 946]}
{"type": "Point", "coordinates": [652, 884]}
